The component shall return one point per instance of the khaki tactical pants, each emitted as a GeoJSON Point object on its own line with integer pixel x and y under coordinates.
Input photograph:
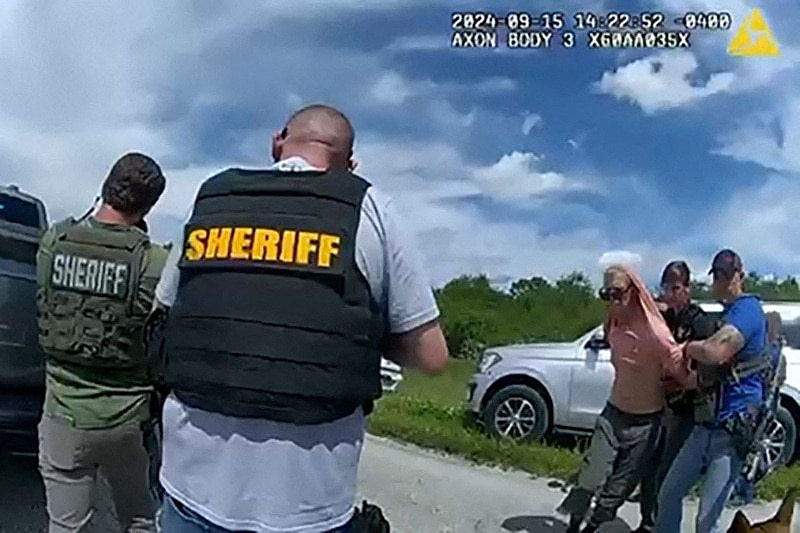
{"type": "Point", "coordinates": [69, 459]}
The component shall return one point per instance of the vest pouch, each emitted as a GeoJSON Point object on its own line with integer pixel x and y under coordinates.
{"type": "Point", "coordinates": [705, 408]}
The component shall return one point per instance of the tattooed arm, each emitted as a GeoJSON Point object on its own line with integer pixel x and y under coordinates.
{"type": "Point", "coordinates": [719, 348]}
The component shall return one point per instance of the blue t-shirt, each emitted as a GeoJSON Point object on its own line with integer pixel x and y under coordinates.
{"type": "Point", "coordinates": [745, 314]}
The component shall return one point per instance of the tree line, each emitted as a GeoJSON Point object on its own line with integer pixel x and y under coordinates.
{"type": "Point", "coordinates": [475, 314]}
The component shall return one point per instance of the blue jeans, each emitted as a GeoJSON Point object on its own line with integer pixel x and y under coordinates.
{"type": "Point", "coordinates": [173, 517]}
{"type": "Point", "coordinates": [710, 449]}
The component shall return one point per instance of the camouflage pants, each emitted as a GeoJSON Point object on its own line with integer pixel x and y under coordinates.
{"type": "Point", "coordinates": [69, 460]}
{"type": "Point", "coordinates": [622, 446]}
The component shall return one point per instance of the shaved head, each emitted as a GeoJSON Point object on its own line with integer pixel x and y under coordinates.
{"type": "Point", "coordinates": [321, 125]}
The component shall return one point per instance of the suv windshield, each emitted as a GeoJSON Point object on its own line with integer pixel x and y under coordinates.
{"type": "Point", "coordinates": [18, 211]}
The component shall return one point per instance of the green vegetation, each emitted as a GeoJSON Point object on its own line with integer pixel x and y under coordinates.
{"type": "Point", "coordinates": [430, 411]}
{"type": "Point", "coordinates": [475, 314]}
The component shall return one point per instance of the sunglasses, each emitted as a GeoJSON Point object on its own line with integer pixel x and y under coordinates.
{"type": "Point", "coordinates": [613, 293]}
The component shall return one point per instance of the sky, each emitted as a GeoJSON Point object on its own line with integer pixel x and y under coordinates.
{"type": "Point", "coordinates": [509, 163]}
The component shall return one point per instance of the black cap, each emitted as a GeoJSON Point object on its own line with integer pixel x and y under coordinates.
{"type": "Point", "coordinates": [726, 261]}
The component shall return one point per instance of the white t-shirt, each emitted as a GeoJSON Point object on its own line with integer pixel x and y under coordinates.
{"type": "Point", "coordinates": [270, 477]}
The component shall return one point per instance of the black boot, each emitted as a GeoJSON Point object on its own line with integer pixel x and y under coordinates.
{"type": "Point", "coordinates": [647, 525]}
{"type": "Point", "coordinates": [574, 524]}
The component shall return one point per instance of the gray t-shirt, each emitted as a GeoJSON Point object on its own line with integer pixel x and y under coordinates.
{"type": "Point", "coordinates": [270, 477]}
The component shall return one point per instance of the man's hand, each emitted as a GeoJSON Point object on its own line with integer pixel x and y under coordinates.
{"type": "Point", "coordinates": [719, 348]}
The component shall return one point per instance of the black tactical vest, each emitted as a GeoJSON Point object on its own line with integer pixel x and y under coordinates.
{"type": "Point", "coordinates": [690, 323]}
{"type": "Point", "coordinates": [272, 317]}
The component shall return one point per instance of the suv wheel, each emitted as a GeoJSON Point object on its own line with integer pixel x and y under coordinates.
{"type": "Point", "coordinates": [518, 413]}
{"type": "Point", "coordinates": [780, 438]}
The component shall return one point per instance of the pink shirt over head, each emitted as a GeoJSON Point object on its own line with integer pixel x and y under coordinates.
{"type": "Point", "coordinates": [643, 353]}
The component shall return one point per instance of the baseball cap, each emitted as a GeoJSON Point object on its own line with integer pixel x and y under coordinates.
{"type": "Point", "coordinates": [726, 261]}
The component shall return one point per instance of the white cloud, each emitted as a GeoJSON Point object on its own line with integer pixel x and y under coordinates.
{"type": "Point", "coordinates": [769, 139]}
{"type": "Point", "coordinates": [391, 88]}
{"type": "Point", "coordinates": [662, 81]}
{"type": "Point", "coordinates": [425, 182]}
{"type": "Point", "coordinates": [531, 121]}
{"type": "Point", "coordinates": [515, 177]}
{"type": "Point", "coordinates": [420, 42]}
{"type": "Point", "coordinates": [577, 141]}
{"type": "Point", "coordinates": [670, 87]}
{"type": "Point", "coordinates": [497, 84]}
{"type": "Point", "coordinates": [293, 101]}
{"type": "Point", "coordinates": [761, 222]}
{"type": "Point", "coordinates": [620, 257]}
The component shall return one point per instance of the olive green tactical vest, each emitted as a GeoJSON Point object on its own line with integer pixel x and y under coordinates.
{"type": "Point", "coordinates": [87, 313]}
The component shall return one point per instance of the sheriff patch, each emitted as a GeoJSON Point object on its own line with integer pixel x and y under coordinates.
{"type": "Point", "coordinates": [271, 245]}
{"type": "Point", "coordinates": [96, 276]}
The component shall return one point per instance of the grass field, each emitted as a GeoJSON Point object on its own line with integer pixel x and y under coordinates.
{"type": "Point", "coordinates": [430, 412]}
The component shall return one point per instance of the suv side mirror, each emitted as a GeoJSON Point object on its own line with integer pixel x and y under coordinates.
{"type": "Point", "coordinates": [597, 342]}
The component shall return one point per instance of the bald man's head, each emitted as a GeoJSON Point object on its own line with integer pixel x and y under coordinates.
{"type": "Point", "coordinates": [318, 132]}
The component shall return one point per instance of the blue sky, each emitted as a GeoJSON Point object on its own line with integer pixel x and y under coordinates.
{"type": "Point", "coordinates": [511, 163]}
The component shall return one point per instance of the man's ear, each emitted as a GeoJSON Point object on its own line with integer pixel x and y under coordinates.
{"type": "Point", "coordinates": [277, 142]}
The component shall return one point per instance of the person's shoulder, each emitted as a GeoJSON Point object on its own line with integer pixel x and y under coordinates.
{"type": "Point", "coordinates": [49, 234]}
{"type": "Point", "coordinates": [378, 210]}
{"type": "Point", "coordinates": [749, 303]}
{"type": "Point", "coordinates": [698, 314]}
{"type": "Point", "coordinates": [213, 180]}
{"type": "Point", "coordinates": [157, 255]}
{"type": "Point", "coordinates": [220, 175]}
{"type": "Point", "coordinates": [47, 238]}
{"type": "Point", "coordinates": [378, 199]}
{"type": "Point", "coordinates": [696, 309]}
{"type": "Point", "coordinates": [62, 223]}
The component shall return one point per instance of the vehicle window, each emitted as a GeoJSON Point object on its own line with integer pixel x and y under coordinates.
{"type": "Point", "coordinates": [791, 331]}
{"type": "Point", "coordinates": [18, 211]}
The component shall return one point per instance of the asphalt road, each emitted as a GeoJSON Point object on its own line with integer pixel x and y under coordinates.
{"type": "Point", "coordinates": [420, 492]}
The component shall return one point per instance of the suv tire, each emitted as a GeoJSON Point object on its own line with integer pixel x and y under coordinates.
{"type": "Point", "coordinates": [520, 407]}
{"type": "Point", "coordinates": [784, 417]}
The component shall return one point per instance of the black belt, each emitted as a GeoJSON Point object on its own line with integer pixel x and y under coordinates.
{"type": "Point", "coordinates": [634, 419]}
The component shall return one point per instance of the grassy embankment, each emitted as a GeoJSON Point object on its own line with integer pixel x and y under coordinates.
{"type": "Point", "coordinates": [430, 412]}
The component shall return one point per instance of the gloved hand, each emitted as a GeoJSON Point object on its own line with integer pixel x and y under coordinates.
{"type": "Point", "coordinates": [370, 519]}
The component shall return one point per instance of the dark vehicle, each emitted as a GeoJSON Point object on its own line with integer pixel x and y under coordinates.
{"type": "Point", "coordinates": [22, 220]}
